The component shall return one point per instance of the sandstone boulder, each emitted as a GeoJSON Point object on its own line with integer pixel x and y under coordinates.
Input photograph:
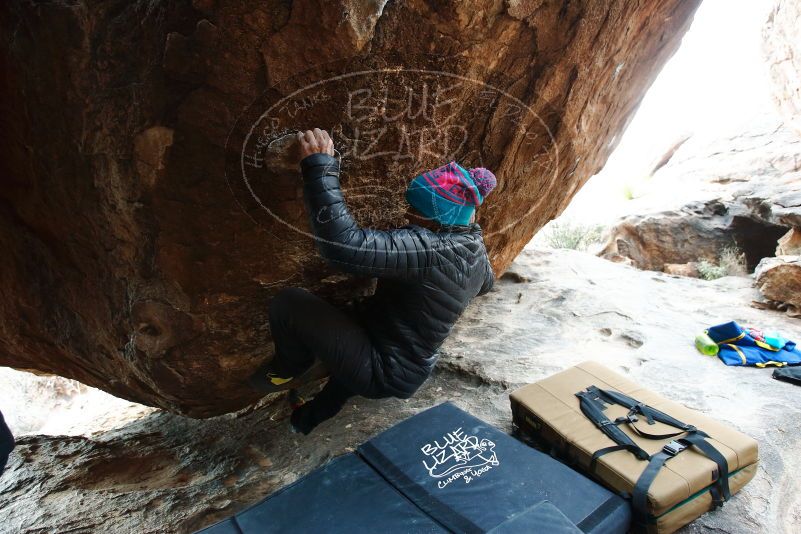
{"type": "Point", "coordinates": [146, 221]}
{"type": "Point", "coordinates": [782, 44]}
{"type": "Point", "coordinates": [779, 280]}
{"type": "Point", "coordinates": [689, 269]}
{"type": "Point", "coordinates": [790, 243]}
{"type": "Point", "coordinates": [741, 190]}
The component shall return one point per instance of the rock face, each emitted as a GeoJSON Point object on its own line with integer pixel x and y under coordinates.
{"type": "Point", "coordinates": [741, 190]}
{"type": "Point", "coordinates": [790, 243]}
{"type": "Point", "coordinates": [779, 280]}
{"type": "Point", "coordinates": [782, 43]}
{"type": "Point", "coordinates": [171, 474]}
{"type": "Point", "coordinates": [147, 213]}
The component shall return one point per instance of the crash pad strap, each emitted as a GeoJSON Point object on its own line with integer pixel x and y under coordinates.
{"type": "Point", "coordinates": [591, 402]}
{"type": "Point", "coordinates": [437, 510]}
{"type": "Point", "coordinates": [649, 412]}
{"type": "Point", "coordinates": [639, 495]}
{"type": "Point", "coordinates": [648, 435]}
{"type": "Point", "coordinates": [595, 413]}
{"type": "Point", "coordinates": [699, 440]}
{"type": "Point", "coordinates": [591, 522]}
{"type": "Point", "coordinates": [606, 450]}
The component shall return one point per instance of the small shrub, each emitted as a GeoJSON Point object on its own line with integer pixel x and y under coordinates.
{"type": "Point", "coordinates": [710, 271]}
{"type": "Point", "coordinates": [731, 262]}
{"type": "Point", "coordinates": [636, 187]}
{"type": "Point", "coordinates": [628, 192]}
{"type": "Point", "coordinates": [574, 236]}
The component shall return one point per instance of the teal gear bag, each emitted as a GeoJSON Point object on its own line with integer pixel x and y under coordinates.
{"type": "Point", "coordinates": [747, 346]}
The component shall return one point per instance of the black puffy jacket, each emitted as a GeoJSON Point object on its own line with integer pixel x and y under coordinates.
{"type": "Point", "coordinates": [425, 278]}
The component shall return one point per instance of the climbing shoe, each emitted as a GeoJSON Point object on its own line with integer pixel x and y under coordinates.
{"type": "Point", "coordinates": [266, 380]}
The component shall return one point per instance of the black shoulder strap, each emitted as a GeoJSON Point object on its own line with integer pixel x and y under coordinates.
{"type": "Point", "coordinates": [636, 407]}
{"type": "Point", "coordinates": [592, 408]}
{"type": "Point", "coordinates": [592, 402]}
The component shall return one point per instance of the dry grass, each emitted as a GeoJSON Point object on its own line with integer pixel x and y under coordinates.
{"type": "Point", "coordinates": [731, 262]}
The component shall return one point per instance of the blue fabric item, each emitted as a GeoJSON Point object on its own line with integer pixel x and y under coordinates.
{"type": "Point", "coordinates": [344, 496]}
{"type": "Point", "coordinates": [471, 477]}
{"type": "Point", "coordinates": [740, 346]}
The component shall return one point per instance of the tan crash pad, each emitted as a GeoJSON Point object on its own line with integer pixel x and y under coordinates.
{"type": "Point", "coordinates": [549, 411]}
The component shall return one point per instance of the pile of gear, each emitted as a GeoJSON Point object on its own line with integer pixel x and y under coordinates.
{"type": "Point", "coordinates": [748, 346]}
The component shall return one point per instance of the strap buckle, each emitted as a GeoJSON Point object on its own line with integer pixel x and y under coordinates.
{"type": "Point", "coordinates": [674, 447]}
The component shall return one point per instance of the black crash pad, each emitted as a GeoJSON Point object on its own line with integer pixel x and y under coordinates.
{"type": "Point", "coordinates": [442, 470]}
{"type": "Point", "coordinates": [345, 495]}
{"type": "Point", "coordinates": [544, 515]}
{"type": "Point", "coordinates": [471, 477]}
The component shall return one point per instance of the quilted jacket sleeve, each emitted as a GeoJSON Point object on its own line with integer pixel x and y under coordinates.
{"type": "Point", "coordinates": [404, 253]}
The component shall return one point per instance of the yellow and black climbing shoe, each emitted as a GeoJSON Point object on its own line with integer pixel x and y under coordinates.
{"type": "Point", "coordinates": [266, 380]}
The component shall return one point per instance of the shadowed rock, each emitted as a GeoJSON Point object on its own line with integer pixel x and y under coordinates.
{"type": "Point", "coordinates": [143, 228]}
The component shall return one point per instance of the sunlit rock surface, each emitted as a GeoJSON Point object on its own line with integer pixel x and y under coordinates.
{"type": "Point", "coordinates": [779, 280]}
{"type": "Point", "coordinates": [738, 190]}
{"type": "Point", "coordinates": [782, 44]}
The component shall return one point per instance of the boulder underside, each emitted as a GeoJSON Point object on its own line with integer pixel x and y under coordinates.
{"type": "Point", "coordinates": [148, 212]}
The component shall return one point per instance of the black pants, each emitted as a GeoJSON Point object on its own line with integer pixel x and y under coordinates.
{"type": "Point", "coordinates": [305, 327]}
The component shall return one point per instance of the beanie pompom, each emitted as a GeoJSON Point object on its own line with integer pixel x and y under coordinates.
{"type": "Point", "coordinates": [484, 179]}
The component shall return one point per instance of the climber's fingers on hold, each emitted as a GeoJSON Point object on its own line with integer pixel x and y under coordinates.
{"type": "Point", "coordinates": [310, 139]}
{"type": "Point", "coordinates": [322, 139]}
{"type": "Point", "coordinates": [326, 143]}
{"type": "Point", "coordinates": [315, 141]}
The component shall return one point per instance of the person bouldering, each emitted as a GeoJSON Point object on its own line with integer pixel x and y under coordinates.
{"type": "Point", "coordinates": [6, 443]}
{"type": "Point", "coordinates": [427, 273]}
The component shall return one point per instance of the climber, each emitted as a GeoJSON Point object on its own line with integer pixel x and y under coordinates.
{"type": "Point", "coordinates": [427, 273]}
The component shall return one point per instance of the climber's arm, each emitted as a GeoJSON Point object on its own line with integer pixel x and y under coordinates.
{"type": "Point", "coordinates": [403, 253]}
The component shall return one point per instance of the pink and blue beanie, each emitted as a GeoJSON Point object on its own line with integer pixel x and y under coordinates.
{"type": "Point", "coordinates": [451, 193]}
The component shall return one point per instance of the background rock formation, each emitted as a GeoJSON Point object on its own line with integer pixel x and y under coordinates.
{"type": "Point", "coordinates": [742, 189]}
{"type": "Point", "coordinates": [779, 282]}
{"type": "Point", "coordinates": [135, 262]}
{"type": "Point", "coordinates": [783, 52]}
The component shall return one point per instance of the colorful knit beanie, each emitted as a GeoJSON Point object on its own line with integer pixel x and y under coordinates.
{"type": "Point", "coordinates": [451, 193]}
